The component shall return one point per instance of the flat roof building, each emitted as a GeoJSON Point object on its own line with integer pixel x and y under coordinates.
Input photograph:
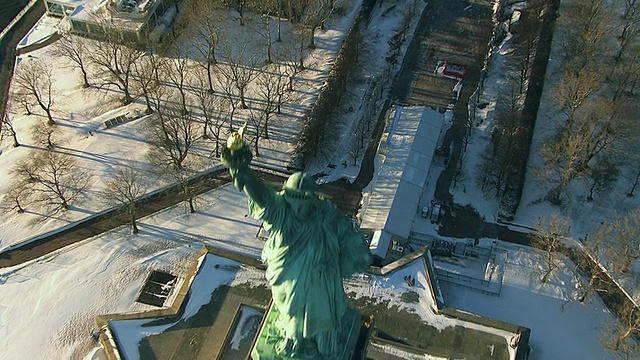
{"type": "Point", "coordinates": [132, 21]}
{"type": "Point", "coordinates": [408, 151]}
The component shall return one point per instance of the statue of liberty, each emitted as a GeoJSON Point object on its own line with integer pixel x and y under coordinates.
{"type": "Point", "coordinates": [311, 247]}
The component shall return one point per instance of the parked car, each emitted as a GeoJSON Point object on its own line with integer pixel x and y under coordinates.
{"type": "Point", "coordinates": [435, 213]}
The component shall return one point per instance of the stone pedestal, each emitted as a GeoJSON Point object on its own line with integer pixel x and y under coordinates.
{"type": "Point", "coordinates": [355, 333]}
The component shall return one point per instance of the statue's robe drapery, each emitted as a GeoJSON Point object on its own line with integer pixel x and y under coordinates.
{"type": "Point", "coordinates": [306, 262]}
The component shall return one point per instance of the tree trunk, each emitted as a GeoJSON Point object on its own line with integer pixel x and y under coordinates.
{"type": "Point", "coordinates": [134, 226]}
{"type": "Point", "coordinates": [545, 278]}
{"type": "Point", "coordinates": [84, 77]}
{"type": "Point", "coordinates": [266, 125]}
{"type": "Point", "coordinates": [20, 209]}
{"type": "Point", "coordinates": [312, 41]}
{"type": "Point", "coordinates": [15, 137]}
{"type": "Point", "coordinates": [47, 110]}
{"type": "Point", "coordinates": [279, 39]}
{"type": "Point", "coordinates": [192, 209]}
{"type": "Point", "coordinates": [50, 120]}
{"type": "Point", "coordinates": [255, 146]}
{"type": "Point", "coordinates": [301, 63]}
{"type": "Point", "coordinates": [635, 183]}
{"type": "Point", "coordinates": [243, 104]}
{"type": "Point", "coordinates": [590, 197]}
{"type": "Point", "coordinates": [587, 291]}
{"type": "Point", "coordinates": [205, 134]}
{"type": "Point", "coordinates": [268, 42]}
{"type": "Point", "coordinates": [148, 102]}
{"type": "Point", "coordinates": [127, 97]}
{"type": "Point", "coordinates": [209, 77]}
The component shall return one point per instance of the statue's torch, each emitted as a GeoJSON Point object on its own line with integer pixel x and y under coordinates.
{"type": "Point", "coordinates": [237, 156]}
{"type": "Point", "coordinates": [236, 140]}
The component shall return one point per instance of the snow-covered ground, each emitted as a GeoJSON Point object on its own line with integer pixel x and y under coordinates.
{"type": "Point", "coordinates": [48, 306]}
{"type": "Point", "coordinates": [583, 216]}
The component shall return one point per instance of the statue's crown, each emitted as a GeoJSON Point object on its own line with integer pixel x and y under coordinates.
{"type": "Point", "coordinates": [300, 183]}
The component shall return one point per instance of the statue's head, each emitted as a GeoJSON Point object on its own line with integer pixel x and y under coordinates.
{"type": "Point", "coordinates": [299, 191]}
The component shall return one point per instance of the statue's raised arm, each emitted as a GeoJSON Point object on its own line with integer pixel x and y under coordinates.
{"type": "Point", "coordinates": [237, 156]}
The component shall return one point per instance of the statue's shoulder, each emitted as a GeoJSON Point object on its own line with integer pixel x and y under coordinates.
{"type": "Point", "coordinates": [331, 211]}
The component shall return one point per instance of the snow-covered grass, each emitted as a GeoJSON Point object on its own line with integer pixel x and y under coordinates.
{"type": "Point", "coordinates": [583, 216]}
{"type": "Point", "coordinates": [80, 115]}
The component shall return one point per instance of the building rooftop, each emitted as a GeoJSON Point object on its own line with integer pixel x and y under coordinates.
{"type": "Point", "coordinates": [122, 13]}
{"type": "Point", "coordinates": [216, 311]}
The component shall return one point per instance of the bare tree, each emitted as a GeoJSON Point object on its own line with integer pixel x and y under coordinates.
{"type": "Point", "coordinates": [172, 134]}
{"type": "Point", "coordinates": [314, 14]}
{"type": "Point", "coordinates": [621, 339]}
{"type": "Point", "coordinates": [8, 131]}
{"type": "Point", "coordinates": [561, 164]}
{"type": "Point", "coordinates": [117, 61]}
{"type": "Point", "coordinates": [625, 234]}
{"type": "Point", "coordinates": [603, 175]}
{"type": "Point", "coordinates": [34, 77]}
{"type": "Point", "coordinates": [227, 85]}
{"type": "Point", "coordinates": [53, 179]}
{"type": "Point", "coordinates": [286, 57]}
{"type": "Point", "coordinates": [366, 124]}
{"type": "Point", "coordinates": [266, 8]}
{"type": "Point", "coordinates": [124, 189]}
{"type": "Point", "coordinates": [183, 178]}
{"type": "Point", "coordinates": [46, 136]}
{"type": "Point", "coordinates": [575, 86]}
{"type": "Point", "coordinates": [586, 33]}
{"type": "Point", "coordinates": [14, 198]}
{"type": "Point", "coordinates": [206, 31]}
{"type": "Point", "coordinates": [20, 97]}
{"type": "Point", "coordinates": [240, 67]}
{"type": "Point", "coordinates": [239, 6]}
{"type": "Point", "coordinates": [597, 130]}
{"type": "Point", "coordinates": [176, 70]}
{"type": "Point", "coordinates": [504, 151]}
{"type": "Point", "coordinates": [633, 160]}
{"type": "Point", "coordinates": [146, 77]}
{"type": "Point", "coordinates": [590, 261]}
{"type": "Point", "coordinates": [214, 113]}
{"type": "Point", "coordinates": [359, 140]}
{"type": "Point", "coordinates": [300, 39]}
{"type": "Point", "coordinates": [631, 192]}
{"type": "Point", "coordinates": [217, 123]}
{"type": "Point", "coordinates": [525, 43]}
{"type": "Point", "coordinates": [75, 49]}
{"type": "Point", "coordinates": [624, 77]}
{"type": "Point", "coordinates": [270, 87]}
{"type": "Point", "coordinates": [257, 122]}
{"type": "Point", "coordinates": [630, 30]}
{"type": "Point", "coordinates": [205, 102]}
{"type": "Point", "coordinates": [548, 238]}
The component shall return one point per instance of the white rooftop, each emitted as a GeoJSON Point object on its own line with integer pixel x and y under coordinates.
{"type": "Point", "coordinates": [90, 10]}
{"type": "Point", "coordinates": [397, 191]}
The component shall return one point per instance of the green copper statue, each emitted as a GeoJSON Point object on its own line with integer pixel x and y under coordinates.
{"type": "Point", "coordinates": [311, 247]}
